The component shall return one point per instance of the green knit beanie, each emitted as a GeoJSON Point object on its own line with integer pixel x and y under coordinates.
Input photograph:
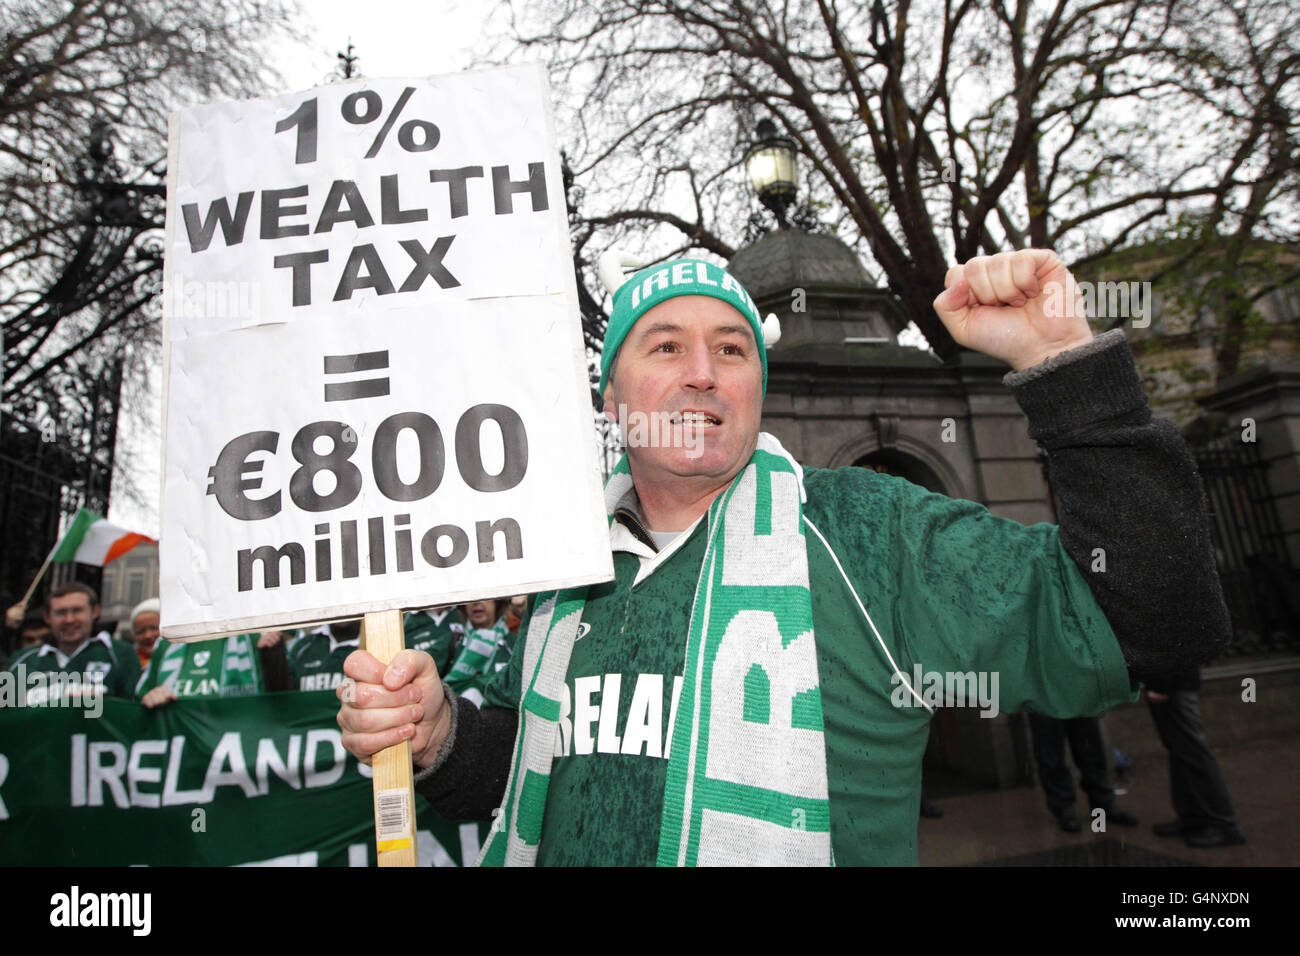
{"type": "Point", "coordinates": [649, 287]}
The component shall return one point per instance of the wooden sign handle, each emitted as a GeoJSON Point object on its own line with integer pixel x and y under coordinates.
{"type": "Point", "coordinates": [382, 636]}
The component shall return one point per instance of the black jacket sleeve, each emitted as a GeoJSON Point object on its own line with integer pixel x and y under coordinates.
{"type": "Point", "coordinates": [1130, 503]}
{"type": "Point", "coordinates": [471, 781]}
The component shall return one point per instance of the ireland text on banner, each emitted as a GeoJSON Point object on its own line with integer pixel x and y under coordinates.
{"type": "Point", "coordinates": [219, 782]}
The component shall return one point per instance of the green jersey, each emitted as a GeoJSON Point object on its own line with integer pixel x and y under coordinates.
{"type": "Point", "coordinates": [225, 667]}
{"type": "Point", "coordinates": [952, 590]}
{"type": "Point", "coordinates": [100, 658]}
{"type": "Point", "coordinates": [316, 659]}
{"type": "Point", "coordinates": [437, 634]}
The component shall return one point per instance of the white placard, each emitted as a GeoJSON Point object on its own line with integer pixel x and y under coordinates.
{"type": "Point", "coordinates": [376, 390]}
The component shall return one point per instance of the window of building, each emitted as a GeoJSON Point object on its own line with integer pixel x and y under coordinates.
{"type": "Point", "coordinates": [135, 589]}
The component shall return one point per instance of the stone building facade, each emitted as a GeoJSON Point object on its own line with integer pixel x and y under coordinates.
{"type": "Point", "coordinates": [126, 582]}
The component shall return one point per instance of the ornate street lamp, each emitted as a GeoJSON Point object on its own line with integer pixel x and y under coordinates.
{"type": "Point", "coordinates": [773, 170]}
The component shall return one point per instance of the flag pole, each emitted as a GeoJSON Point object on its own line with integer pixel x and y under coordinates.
{"type": "Point", "coordinates": [37, 580]}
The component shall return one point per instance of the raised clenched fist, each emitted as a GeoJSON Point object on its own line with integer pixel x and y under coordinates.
{"type": "Point", "coordinates": [1022, 307]}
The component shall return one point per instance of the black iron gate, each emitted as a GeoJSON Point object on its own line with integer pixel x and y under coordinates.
{"type": "Point", "coordinates": [1259, 583]}
{"type": "Point", "coordinates": [42, 484]}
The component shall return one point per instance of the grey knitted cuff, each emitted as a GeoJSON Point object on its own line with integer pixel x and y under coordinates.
{"type": "Point", "coordinates": [1100, 343]}
{"type": "Point", "coordinates": [1079, 388]}
{"type": "Point", "coordinates": [453, 702]}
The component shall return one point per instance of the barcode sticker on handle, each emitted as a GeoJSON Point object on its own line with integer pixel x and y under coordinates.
{"type": "Point", "coordinates": [393, 818]}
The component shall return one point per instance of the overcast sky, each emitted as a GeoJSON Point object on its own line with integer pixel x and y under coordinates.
{"type": "Point", "coordinates": [392, 37]}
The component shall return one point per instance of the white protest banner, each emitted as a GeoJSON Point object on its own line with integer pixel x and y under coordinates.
{"type": "Point", "coordinates": [376, 386]}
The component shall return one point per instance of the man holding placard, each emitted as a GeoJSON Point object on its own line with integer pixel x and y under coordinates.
{"type": "Point", "coordinates": [746, 690]}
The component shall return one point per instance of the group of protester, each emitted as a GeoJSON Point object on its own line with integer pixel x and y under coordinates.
{"type": "Point", "coordinates": [470, 643]}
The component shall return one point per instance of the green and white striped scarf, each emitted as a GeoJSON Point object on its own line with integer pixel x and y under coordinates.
{"type": "Point", "coordinates": [747, 776]}
{"type": "Point", "coordinates": [239, 671]}
{"type": "Point", "coordinates": [477, 655]}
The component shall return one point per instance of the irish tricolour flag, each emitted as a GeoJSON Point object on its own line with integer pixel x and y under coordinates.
{"type": "Point", "coordinates": [92, 540]}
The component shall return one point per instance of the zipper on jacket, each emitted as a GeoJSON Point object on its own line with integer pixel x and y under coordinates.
{"type": "Point", "coordinates": [633, 524]}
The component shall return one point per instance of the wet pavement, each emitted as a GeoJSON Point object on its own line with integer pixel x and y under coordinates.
{"type": "Point", "coordinates": [1013, 827]}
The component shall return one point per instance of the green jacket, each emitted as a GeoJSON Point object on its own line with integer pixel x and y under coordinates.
{"type": "Point", "coordinates": [316, 659]}
{"type": "Point", "coordinates": [437, 636]}
{"type": "Point", "coordinates": [115, 660]}
{"type": "Point", "coordinates": [1024, 623]}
